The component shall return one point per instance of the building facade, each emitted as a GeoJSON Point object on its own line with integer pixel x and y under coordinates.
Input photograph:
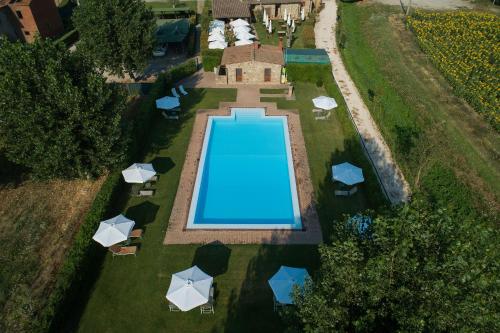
{"type": "Point", "coordinates": [233, 9]}
{"type": "Point", "coordinates": [29, 18]}
{"type": "Point", "coordinates": [251, 64]}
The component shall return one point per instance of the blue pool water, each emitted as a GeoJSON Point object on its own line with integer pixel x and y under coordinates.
{"type": "Point", "coordinates": [245, 177]}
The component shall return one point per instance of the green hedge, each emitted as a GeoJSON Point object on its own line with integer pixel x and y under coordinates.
{"type": "Point", "coordinates": [211, 59]}
{"type": "Point", "coordinates": [84, 256]}
{"type": "Point", "coordinates": [312, 73]}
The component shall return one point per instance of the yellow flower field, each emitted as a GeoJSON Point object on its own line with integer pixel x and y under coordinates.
{"type": "Point", "coordinates": [465, 46]}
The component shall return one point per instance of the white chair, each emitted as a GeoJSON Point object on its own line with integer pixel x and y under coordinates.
{"type": "Point", "coordinates": [175, 93]}
{"type": "Point", "coordinates": [208, 307]}
{"type": "Point", "coordinates": [181, 89]}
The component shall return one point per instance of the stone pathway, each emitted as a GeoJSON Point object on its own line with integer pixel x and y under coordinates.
{"type": "Point", "coordinates": [389, 174]}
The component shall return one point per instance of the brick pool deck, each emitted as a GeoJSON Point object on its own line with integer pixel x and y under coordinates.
{"type": "Point", "coordinates": [176, 230]}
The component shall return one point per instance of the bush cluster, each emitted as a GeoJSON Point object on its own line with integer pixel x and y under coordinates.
{"type": "Point", "coordinates": [211, 59]}
{"type": "Point", "coordinates": [84, 254]}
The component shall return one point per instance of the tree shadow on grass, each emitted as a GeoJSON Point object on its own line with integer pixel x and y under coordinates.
{"type": "Point", "coordinates": [251, 308]}
{"type": "Point", "coordinates": [369, 196]}
{"type": "Point", "coordinates": [143, 213]}
{"type": "Point", "coordinates": [162, 164]}
{"type": "Point", "coordinates": [212, 258]}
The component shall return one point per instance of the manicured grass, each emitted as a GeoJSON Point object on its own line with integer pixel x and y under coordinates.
{"type": "Point", "coordinates": [129, 294]}
{"type": "Point", "coordinates": [273, 39]}
{"type": "Point", "coordinates": [413, 105]}
{"type": "Point", "coordinates": [273, 91]}
{"type": "Point", "coordinates": [170, 3]}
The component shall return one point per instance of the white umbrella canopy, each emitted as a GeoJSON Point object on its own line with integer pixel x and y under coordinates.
{"type": "Point", "coordinates": [243, 42]}
{"type": "Point", "coordinates": [244, 35]}
{"type": "Point", "coordinates": [216, 24]}
{"type": "Point", "coordinates": [324, 102]}
{"type": "Point", "coordinates": [189, 288]}
{"type": "Point", "coordinates": [217, 45]}
{"type": "Point", "coordinates": [241, 29]}
{"type": "Point", "coordinates": [293, 25]}
{"type": "Point", "coordinates": [216, 37]}
{"type": "Point", "coordinates": [270, 27]}
{"type": "Point", "coordinates": [264, 16]}
{"type": "Point", "coordinates": [238, 22]}
{"type": "Point", "coordinates": [168, 103]}
{"type": "Point", "coordinates": [284, 15]}
{"type": "Point", "coordinates": [216, 30]}
{"type": "Point", "coordinates": [347, 173]}
{"type": "Point", "coordinates": [289, 19]}
{"type": "Point", "coordinates": [113, 231]}
{"type": "Point", "coordinates": [302, 14]}
{"type": "Point", "coordinates": [138, 173]}
{"type": "Point", "coordinates": [283, 282]}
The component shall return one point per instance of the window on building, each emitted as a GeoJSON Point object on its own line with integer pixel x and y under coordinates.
{"type": "Point", "coordinates": [19, 14]}
{"type": "Point", "coordinates": [267, 74]}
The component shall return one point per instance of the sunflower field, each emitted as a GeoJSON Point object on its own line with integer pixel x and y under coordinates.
{"type": "Point", "coordinates": [465, 46]}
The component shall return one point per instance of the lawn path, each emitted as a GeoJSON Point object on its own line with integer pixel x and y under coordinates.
{"type": "Point", "coordinates": [390, 176]}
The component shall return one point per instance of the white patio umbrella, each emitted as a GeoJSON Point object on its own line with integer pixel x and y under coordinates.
{"type": "Point", "coordinates": [244, 35]}
{"type": "Point", "coordinates": [347, 173]}
{"type": "Point", "coordinates": [283, 282]}
{"type": "Point", "coordinates": [113, 231]}
{"type": "Point", "coordinates": [289, 20]}
{"type": "Point", "coordinates": [216, 30]}
{"type": "Point", "coordinates": [168, 103]}
{"type": "Point", "coordinates": [284, 15]}
{"type": "Point", "coordinates": [243, 42]}
{"type": "Point", "coordinates": [217, 23]}
{"type": "Point", "coordinates": [266, 23]}
{"type": "Point", "coordinates": [302, 14]}
{"type": "Point", "coordinates": [138, 173]}
{"type": "Point", "coordinates": [270, 27]}
{"type": "Point", "coordinates": [216, 37]}
{"type": "Point", "coordinates": [217, 45]}
{"type": "Point", "coordinates": [324, 102]}
{"type": "Point", "coordinates": [189, 288]}
{"type": "Point", "coordinates": [264, 16]}
{"type": "Point", "coordinates": [238, 22]}
{"type": "Point", "coordinates": [293, 25]}
{"type": "Point", "coordinates": [241, 28]}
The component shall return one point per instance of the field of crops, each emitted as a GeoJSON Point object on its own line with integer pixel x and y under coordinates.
{"type": "Point", "coordinates": [465, 46]}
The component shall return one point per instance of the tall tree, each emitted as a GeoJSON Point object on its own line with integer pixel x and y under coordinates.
{"type": "Point", "coordinates": [415, 271]}
{"type": "Point", "coordinates": [118, 34]}
{"type": "Point", "coordinates": [58, 117]}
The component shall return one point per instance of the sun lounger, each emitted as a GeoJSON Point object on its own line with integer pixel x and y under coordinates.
{"type": "Point", "coordinates": [181, 89]}
{"type": "Point", "coordinates": [169, 117]}
{"type": "Point", "coordinates": [208, 307]}
{"type": "Point", "coordinates": [175, 93]}
{"type": "Point", "coordinates": [146, 193]}
{"type": "Point", "coordinates": [136, 233]}
{"type": "Point", "coordinates": [318, 111]}
{"type": "Point", "coordinates": [154, 178]}
{"type": "Point", "coordinates": [277, 304]}
{"type": "Point", "coordinates": [123, 250]}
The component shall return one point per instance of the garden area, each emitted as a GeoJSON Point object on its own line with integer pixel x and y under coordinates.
{"type": "Point", "coordinates": [447, 151]}
{"type": "Point", "coordinates": [303, 37]}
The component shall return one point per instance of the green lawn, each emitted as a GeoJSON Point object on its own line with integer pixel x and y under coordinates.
{"type": "Point", "coordinates": [273, 91]}
{"type": "Point", "coordinates": [273, 39]}
{"type": "Point", "coordinates": [129, 295]}
{"type": "Point", "coordinates": [421, 119]}
{"type": "Point", "coordinates": [170, 3]}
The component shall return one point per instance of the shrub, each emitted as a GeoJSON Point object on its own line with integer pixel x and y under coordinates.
{"type": "Point", "coordinates": [308, 36]}
{"type": "Point", "coordinates": [211, 59]}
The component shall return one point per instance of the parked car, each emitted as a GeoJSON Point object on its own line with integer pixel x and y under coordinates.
{"type": "Point", "coordinates": [160, 50]}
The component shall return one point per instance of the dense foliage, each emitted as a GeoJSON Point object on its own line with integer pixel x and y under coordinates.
{"type": "Point", "coordinates": [211, 59]}
{"type": "Point", "coordinates": [414, 270]}
{"type": "Point", "coordinates": [465, 47]}
{"type": "Point", "coordinates": [58, 116]}
{"type": "Point", "coordinates": [118, 34]}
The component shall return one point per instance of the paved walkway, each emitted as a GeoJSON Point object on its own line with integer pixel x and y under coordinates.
{"type": "Point", "coordinates": [390, 176]}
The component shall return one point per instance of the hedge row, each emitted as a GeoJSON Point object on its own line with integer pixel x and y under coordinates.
{"type": "Point", "coordinates": [80, 265]}
{"type": "Point", "coordinates": [317, 73]}
{"type": "Point", "coordinates": [211, 59]}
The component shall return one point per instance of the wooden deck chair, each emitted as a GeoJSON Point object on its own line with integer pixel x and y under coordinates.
{"type": "Point", "coordinates": [146, 193]}
{"type": "Point", "coordinates": [123, 250]}
{"type": "Point", "coordinates": [181, 89]}
{"type": "Point", "coordinates": [323, 117]}
{"type": "Point", "coordinates": [208, 307]}
{"type": "Point", "coordinates": [136, 233]}
{"type": "Point", "coordinates": [169, 117]}
{"type": "Point", "coordinates": [175, 93]}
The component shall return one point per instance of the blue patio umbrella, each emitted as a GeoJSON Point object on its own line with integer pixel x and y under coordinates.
{"type": "Point", "coordinates": [168, 103]}
{"type": "Point", "coordinates": [283, 282]}
{"type": "Point", "coordinates": [347, 173]}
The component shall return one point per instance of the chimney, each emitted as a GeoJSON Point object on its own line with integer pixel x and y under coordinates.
{"type": "Point", "coordinates": [256, 45]}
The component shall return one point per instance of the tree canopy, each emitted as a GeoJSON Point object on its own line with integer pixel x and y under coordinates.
{"type": "Point", "coordinates": [118, 34]}
{"type": "Point", "coordinates": [58, 117]}
{"type": "Point", "coordinates": [416, 270]}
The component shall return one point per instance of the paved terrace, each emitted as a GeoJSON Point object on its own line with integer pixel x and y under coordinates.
{"type": "Point", "coordinates": [248, 96]}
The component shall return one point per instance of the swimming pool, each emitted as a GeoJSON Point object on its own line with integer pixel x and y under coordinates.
{"type": "Point", "coordinates": [245, 177]}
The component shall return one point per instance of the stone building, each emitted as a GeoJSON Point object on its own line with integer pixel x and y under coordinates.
{"type": "Point", "coordinates": [251, 64]}
{"type": "Point", "coordinates": [233, 9]}
{"type": "Point", "coordinates": [24, 19]}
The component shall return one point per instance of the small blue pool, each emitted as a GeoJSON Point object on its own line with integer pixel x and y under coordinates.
{"type": "Point", "coordinates": [245, 178]}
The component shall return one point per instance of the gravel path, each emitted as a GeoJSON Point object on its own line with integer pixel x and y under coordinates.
{"type": "Point", "coordinates": [390, 176]}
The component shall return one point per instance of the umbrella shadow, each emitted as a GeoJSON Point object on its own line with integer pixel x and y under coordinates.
{"type": "Point", "coordinates": [162, 164]}
{"type": "Point", "coordinates": [212, 258]}
{"type": "Point", "coordinates": [143, 213]}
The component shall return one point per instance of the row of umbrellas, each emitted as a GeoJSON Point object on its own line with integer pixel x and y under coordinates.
{"type": "Point", "coordinates": [191, 288]}
{"type": "Point", "coordinates": [117, 229]}
{"type": "Point", "coordinates": [216, 38]}
{"type": "Point", "coordinates": [241, 30]}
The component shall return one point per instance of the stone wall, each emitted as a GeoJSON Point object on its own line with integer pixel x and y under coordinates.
{"type": "Point", "coordinates": [293, 8]}
{"type": "Point", "coordinates": [253, 72]}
